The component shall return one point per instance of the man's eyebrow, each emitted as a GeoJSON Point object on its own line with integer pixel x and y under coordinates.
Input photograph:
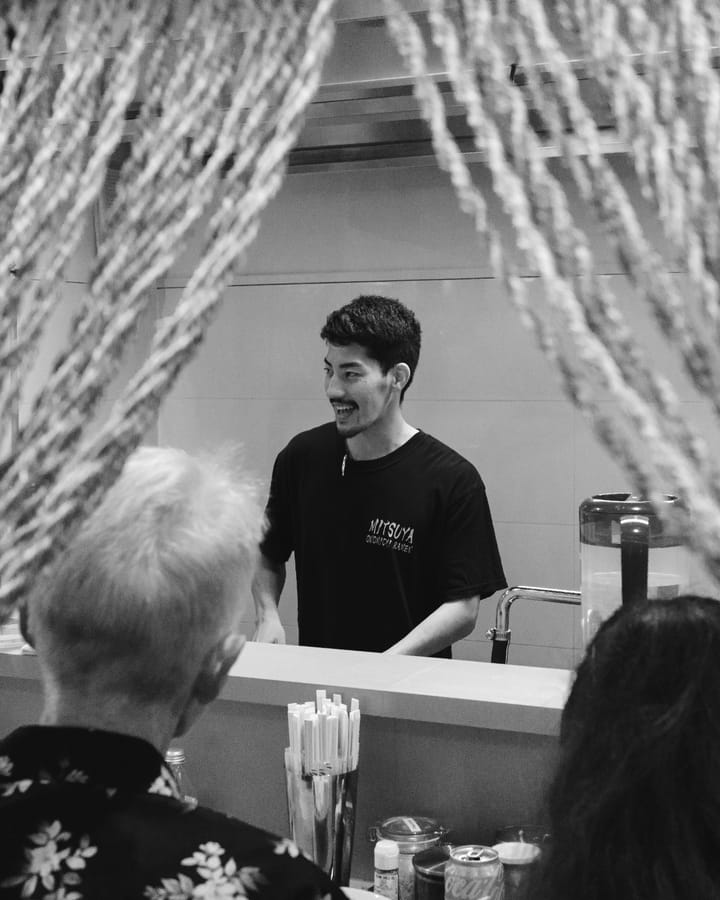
{"type": "Point", "coordinates": [346, 365]}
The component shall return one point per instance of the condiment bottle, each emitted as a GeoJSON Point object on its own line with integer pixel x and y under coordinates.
{"type": "Point", "coordinates": [175, 761]}
{"type": "Point", "coordinates": [386, 869]}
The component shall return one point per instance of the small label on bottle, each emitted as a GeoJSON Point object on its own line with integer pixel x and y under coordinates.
{"type": "Point", "coordinates": [386, 883]}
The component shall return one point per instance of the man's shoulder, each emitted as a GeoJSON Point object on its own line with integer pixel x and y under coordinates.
{"type": "Point", "coordinates": [313, 439]}
{"type": "Point", "coordinates": [205, 851]}
{"type": "Point", "coordinates": [206, 846]}
{"type": "Point", "coordinates": [444, 459]}
{"type": "Point", "coordinates": [274, 863]}
{"type": "Point", "coordinates": [236, 835]}
{"type": "Point", "coordinates": [311, 450]}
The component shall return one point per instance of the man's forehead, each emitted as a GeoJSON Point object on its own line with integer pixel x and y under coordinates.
{"type": "Point", "coordinates": [347, 355]}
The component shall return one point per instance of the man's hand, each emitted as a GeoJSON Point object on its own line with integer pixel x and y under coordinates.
{"type": "Point", "coordinates": [269, 630]}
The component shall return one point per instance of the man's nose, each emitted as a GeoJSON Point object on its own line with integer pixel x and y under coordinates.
{"type": "Point", "coordinates": [333, 388]}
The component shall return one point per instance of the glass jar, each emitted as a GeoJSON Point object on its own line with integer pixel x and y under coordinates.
{"type": "Point", "coordinates": [519, 848]}
{"type": "Point", "coordinates": [412, 834]}
{"type": "Point", "coordinates": [429, 866]}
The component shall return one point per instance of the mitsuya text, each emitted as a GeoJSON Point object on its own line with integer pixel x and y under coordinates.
{"type": "Point", "coordinates": [391, 534]}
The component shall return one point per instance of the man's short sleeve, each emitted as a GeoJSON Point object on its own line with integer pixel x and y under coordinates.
{"type": "Point", "coordinates": [277, 544]}
{"type": "Point", "coordinates": [470, 559]}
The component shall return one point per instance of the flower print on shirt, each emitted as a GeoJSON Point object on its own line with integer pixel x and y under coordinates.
{"type": "Point", "coordinates": [75, 776]}
{"type": "Point", "coordinates": [64, 779]}
{"type": "Point", "coordinates": [52, 866]}
{"type": "Point", "coordinates": [216, 880]}
{"type": "Point", "coordinates": [15, 786]}
{"type": "Point", "coordinates": [165, 785]}
{"type": "Point", "coordinates": [285, 845]}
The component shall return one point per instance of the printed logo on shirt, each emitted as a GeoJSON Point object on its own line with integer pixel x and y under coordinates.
{"type": "Point", "coordinates": [392, 535]}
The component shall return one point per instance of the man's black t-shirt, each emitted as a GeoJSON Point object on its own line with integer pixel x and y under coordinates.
{"type": "Point", "coordinates": [378, 544]}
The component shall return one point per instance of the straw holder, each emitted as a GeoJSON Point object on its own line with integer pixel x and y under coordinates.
{"type": "Point", "coordinates": [321, 812]}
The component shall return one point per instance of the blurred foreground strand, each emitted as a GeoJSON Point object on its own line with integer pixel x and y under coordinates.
{"type": "Point", "coordinates": [522, 97]}
{"type": "Point", "coordinates": [223, 94]}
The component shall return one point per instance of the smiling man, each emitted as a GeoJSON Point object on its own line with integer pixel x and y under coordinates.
{"type": "Point", "coordinates": [391, 529]}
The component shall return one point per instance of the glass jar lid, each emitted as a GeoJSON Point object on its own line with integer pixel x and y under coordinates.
{"type": "Point", "coordinates": [412, 833]}
{"type": "Point", "coordinates": [602, 515]}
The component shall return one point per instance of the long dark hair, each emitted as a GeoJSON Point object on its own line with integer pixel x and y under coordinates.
{"type": "Point", "coordinates": [635, 803]}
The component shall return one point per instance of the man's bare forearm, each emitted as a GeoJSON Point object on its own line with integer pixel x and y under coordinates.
{"type": "Point", "coordinates": [267, 585]}
{"type": "Point", "coordinates": [266, 590]}
{"type": "Point", "coordinates": [450, 622]}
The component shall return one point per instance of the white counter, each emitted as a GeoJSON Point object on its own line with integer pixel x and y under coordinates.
{"type": "Point", "coordinates": [450, 692]}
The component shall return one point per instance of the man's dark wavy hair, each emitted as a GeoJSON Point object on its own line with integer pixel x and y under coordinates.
{"type": "Point", "coordinates": [388, 330]}
{"type": "Point", "coordinates": [635, 804]}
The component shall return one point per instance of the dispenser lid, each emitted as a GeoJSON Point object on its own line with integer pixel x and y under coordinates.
{"type": "Point", "coordinates": [601, 516]}
{"type": "Point", "coordinates": [416, 830]}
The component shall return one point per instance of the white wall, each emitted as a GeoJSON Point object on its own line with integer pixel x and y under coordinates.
{"type": "Point", "coordinates": [482, 386]}
{"type": "Point", "coordinates": [58, 330]}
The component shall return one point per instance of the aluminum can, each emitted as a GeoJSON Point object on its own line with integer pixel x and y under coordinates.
{"type": "Point", "coordinates": [473, 873]}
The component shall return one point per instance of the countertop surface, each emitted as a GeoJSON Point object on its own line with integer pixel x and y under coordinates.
{"type": "Point", "coordinates": [455, 692]}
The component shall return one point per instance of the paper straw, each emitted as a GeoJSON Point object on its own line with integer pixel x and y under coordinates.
{"type": "Point", "coordinates": [324, 738]}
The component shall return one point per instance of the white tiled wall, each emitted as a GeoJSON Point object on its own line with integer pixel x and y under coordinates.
{"type": "Point", "coordinates": [58, 332]}
{"type": "Point", "coordinates": [482, 386]}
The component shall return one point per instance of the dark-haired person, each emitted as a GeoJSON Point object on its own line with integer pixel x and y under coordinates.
{"type": "Point", "coordinates": [635, 803]}
{"type": "Point", "coordinates": [391, 529]}
{"type": "Point", "coordinates": [135, 635]}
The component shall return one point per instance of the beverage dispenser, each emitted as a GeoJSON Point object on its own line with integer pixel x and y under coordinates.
{"type": "Point", "coordinates": [627, 553]}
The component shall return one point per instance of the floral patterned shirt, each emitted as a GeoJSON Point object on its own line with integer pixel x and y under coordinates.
{"type": "Point", "coordinates": [92, 815]}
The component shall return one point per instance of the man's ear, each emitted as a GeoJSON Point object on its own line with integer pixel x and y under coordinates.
{"type": "Point", "coordinates": [401, 375]}
{"type": "Point", "coordinates": [216, 665]}
{"type": "Point", "coordinates": [211, 677]}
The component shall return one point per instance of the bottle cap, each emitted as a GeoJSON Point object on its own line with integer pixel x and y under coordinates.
{"type": "Point", "coordinates": [175, 756]}
{"type": "Point", "coordinates": [386, 855]}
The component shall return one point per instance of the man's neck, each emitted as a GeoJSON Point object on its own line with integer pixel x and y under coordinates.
{"type": "Point", "coordinates": [376, 443]}
{"type": "Point", "coordinates": [156, 726]}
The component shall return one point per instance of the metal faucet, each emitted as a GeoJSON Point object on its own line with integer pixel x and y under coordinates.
{"type": "Point", "coordinates": [500, 634]}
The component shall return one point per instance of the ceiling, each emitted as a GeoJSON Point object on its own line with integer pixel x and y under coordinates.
{"type": "Point", "coordinates": [365, 114]}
